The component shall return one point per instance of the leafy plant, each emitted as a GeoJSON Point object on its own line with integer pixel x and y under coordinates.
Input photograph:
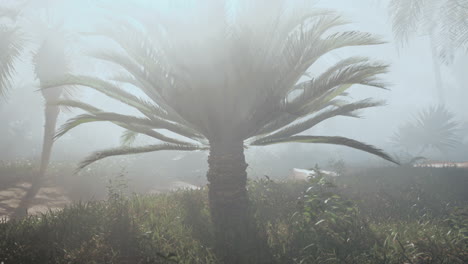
{"type": "Point", "coordinates": [322, 226]}
{"type": "Point", "coordinates": [433, 128]}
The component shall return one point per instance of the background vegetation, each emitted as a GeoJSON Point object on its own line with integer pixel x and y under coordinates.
{"type": "Point", "coordinates": [383, 215]}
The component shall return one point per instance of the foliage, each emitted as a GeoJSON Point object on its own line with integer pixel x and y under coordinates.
{"type": "Point", "coordinates": [432, 128]}
{"type": "Point", "coordinates": [405, 193]}
{"type": "Point", "coordinates": [305, 222]}
{"type": "Point", "coordinates": [121, 230]}
{"type": "Point", "coordinates": [257, 102]}
{"type": "Point", "coordinates": [11, 44]}
{"type": "Point", "coordinates": [454, 29]}
{"type": "Point", "coordinates": [444, 19]}
{"type": "Point", "coordinates": [324, 227]}
{"type": "Point", "coordinates": [424, 241]}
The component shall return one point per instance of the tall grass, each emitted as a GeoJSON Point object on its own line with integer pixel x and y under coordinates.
{"type": "Point", "coordinates": [305, 222]}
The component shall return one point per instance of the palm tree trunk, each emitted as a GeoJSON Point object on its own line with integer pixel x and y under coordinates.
{"type": "Point", "coordinates": [51, 115]}
{"type": "Point", "coordinates": [236, 238]}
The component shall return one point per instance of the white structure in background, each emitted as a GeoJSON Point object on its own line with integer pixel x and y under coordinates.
{"type": "Point", "coordinates": [441, 164]}
{"type": "Point", "coordinates": [301, 174]}
{"type": "Point", "coordinates": [173, 186]}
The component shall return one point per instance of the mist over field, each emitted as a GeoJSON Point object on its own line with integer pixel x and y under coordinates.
{"type": "Point", "coordinates": [222, 97]}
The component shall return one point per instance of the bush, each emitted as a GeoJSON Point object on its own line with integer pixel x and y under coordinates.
{"type": "Point", "coordinates": [139, 229]}
{"type": "Point", "coordinates": [405, 193]}
{"type": "Point", "coordinates": [309, 222]}
{"type": "Point", "coordinates": [305, 222]}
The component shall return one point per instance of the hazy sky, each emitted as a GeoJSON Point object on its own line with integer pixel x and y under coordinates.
{"type": "Point", "coordinates": [411, 78]}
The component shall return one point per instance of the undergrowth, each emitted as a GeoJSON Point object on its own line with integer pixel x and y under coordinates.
{"type": "Point", "coordinates": [305, 222]}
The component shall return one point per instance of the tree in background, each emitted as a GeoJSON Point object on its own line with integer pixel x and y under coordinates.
{"type": "Point", "coordinates": [453, 35]}
{"type": "Point", "coordinates": [11, 45]}
{"type": "Point", "coordinates": [50, 62]}
{"type": "Point", "coordinates": [445, 22]}
{"type": "Point", "coordinates": [221, 79]}
{"type": "Point", "coordinates": [434, 128]}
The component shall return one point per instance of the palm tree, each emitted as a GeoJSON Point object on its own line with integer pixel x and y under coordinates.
{"type": "Point", "coordinates": [10, 49]}
{"type": "Point", "coordinates": [50, 63]}
{"type": "Point", "coordinates": [433, 128]}
{"type": "Point", "coordinates": [412, 17]}
{"type": "Point", "coordinates": [443, 21]}
{"type": "Point", "coordinates": [221, 81]}
{"type": "Point", "coordinates": [454, 28]}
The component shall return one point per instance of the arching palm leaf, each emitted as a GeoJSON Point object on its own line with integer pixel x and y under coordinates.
{"type": "Point", "coordinates": [328, 140]}
{"type": "Point", "coordinates": [11, 45]}
{"type": "Point", "coordinates": [135, 150]}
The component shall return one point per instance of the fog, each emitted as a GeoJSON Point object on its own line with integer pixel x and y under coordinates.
{"type": "Point", "coordinates": [411, 88]}
{"type": "Point", "coordinates": [233, 132]}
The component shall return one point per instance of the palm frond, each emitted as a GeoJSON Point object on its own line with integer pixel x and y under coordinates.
{"type": "Point", "coordinates": [141, 78]}
{"type": "Point", "coordinates": [331, 140]}
{"type": "Point", "coordinates": [137, 124]}
{"type": "Point", "coordinates": [103, 116]}
{"type": "Point", "coordinates": [345, 110]}
{"type": "Point", "coordinates": [454, 28]}
{"type": "Point", "coordinates": [108, 89]}
{"type": "Point", "coordinates": [11, 44]}
{"type": "Point", "coordinates": [67, 103]}
{"type": "Point", "coordinates": [309, 44]}
{"type": "Point", "coordinates": [128, 137]}
{"type": "Point", "coordinates": [153, 112]}
{"type": "Point", "coordinates": [336, 80]}
{"type": "Point", "coordinates": [408, 17]}
{"type": "Point", "coordinates": [316, 93]}
{"type": "Point", "coordinates": [134, 150]}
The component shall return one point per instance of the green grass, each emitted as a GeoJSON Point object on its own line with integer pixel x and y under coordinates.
{"type": "Point", "coordinates": [304, 222]}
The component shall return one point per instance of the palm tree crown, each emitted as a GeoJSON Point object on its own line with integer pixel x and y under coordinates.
{"type": "Point", "coordinates": [234, 76]}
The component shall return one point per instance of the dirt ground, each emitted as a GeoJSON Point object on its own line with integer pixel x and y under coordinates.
{"type": "Point", "coordinates": [48, 198]}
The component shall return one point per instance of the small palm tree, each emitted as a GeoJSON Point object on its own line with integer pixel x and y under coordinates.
{"type": "Point", "coordinates": [10, 48]}
{"type": "Point", "coordinates": [433, 128]}
{"type": "Point", "coordinates": [50, 63]}
{"type": "Point", "coordinates": [221, 81]}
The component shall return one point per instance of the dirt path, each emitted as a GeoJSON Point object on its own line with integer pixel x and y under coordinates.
{"type": "Point", "coordinates": [48, 198]}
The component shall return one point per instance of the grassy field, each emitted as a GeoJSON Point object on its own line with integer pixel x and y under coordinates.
{"type": "Point", "coordinates": [367, 217]}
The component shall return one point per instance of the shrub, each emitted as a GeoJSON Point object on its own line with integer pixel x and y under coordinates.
{"type": "Point", "coordinates": [305, 222]}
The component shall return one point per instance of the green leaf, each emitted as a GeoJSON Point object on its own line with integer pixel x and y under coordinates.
{"type": "Point", "coordinates": [135, 150]}
{"type": "Point", "coordinates": [128, 137]}
{"type": "Point", "coordinates": [330, 140]}
{"type": "Point", "coordinates": [345, 110]}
